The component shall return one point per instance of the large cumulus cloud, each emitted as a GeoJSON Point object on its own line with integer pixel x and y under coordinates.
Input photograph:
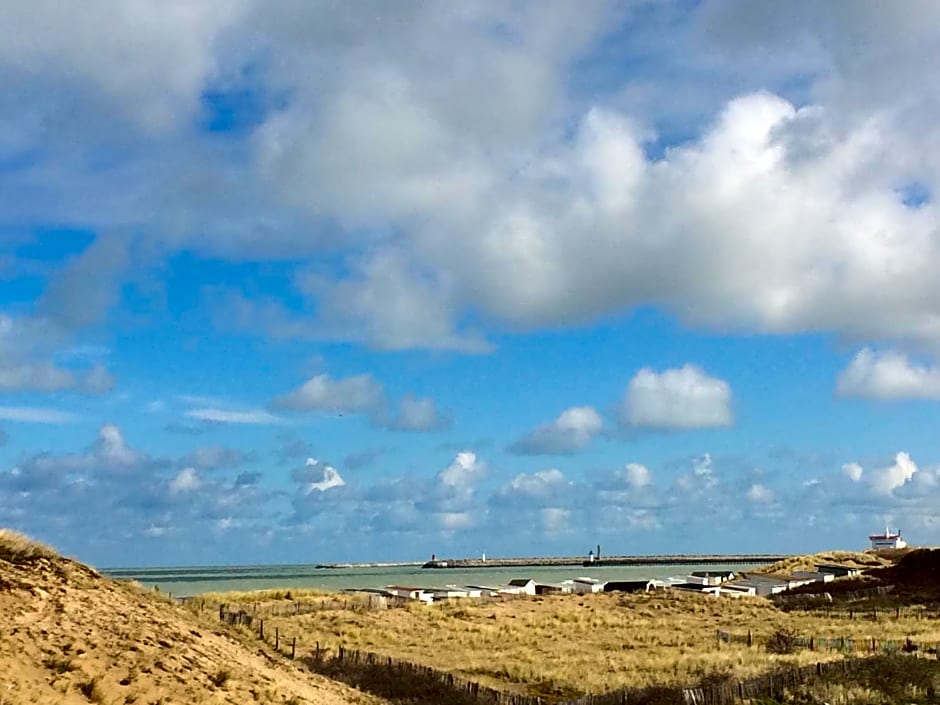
{"type": "Point", "coordinates": [785, 211]}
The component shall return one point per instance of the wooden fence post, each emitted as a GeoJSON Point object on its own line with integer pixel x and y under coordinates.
{"type": "Point", "coordinates": [749, 641]}
{"type": "Point", "coordinates": [277, 638]}
{"type": "Point", "coordinates": [221, 612]}
{"type": "Point", "coordinates": [261, 630]}
{"type": "Point", "coordinates": [293, 647]}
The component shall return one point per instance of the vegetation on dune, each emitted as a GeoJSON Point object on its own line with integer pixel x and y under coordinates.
{"type": "Point", "coordinates": [881, 680]}
{"type": "Point", "coordinates": [263, 596]}
{"type": "Point", "coordinates": [857, 559]}
{"type": "Point", "coordinates": [552, 646]}
{"type": "Point", "coordinates": [17, 548]}
{"type": "Point", "coordinates": [913, 579]}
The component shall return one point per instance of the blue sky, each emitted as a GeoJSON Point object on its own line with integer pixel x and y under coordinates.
{"type": "Point", "coordinates": [294, 282]}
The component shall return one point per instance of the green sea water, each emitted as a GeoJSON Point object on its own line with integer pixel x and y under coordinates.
{"type": "Point", "coordinates": [192, 580]}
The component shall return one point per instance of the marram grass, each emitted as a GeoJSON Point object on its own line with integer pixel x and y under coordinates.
{"type": "Point", "coordinates": [588, 644]}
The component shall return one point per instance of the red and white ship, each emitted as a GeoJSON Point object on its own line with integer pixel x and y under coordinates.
{"type": "Point", "coordinates": [887, 540]}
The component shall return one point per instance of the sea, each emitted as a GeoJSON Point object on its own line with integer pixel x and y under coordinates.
{"type": "Point", "coordinates": [187, 581]}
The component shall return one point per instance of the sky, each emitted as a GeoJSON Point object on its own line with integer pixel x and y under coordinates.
{"type": "Point", "coordinates": [308, 281]}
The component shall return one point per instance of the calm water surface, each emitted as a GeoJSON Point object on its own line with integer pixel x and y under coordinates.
{"type": "Point", "coordinates": [183, 581]}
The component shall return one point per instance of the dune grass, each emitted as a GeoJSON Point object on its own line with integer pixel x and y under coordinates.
{"type": "Point", "coordinates": [567, 645]}
{"type": "Point", "coordinates": [17, 548]}
{"type": "Point", "coordinates": [262, 596]}
{"type": "Point", "coordinates": [882, 679]}
{"type": "Point", "coordinates": [857, 559]}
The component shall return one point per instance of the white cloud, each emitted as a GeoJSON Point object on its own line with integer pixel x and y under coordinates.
{"type": "Point", "coordinates": [571, 431]}
{"type": "Point", "coordinates": [629, 485]}
{"type": "Point", "coordinates": [39, 377]}
{"type": "Point", "coordinates": [185, 481]}
{"type": "Point", "coordinates": [771, 218]}
{"type": "Point", "coordinates": [142, 495]}
{"type": "Point", "coordinates": [455, 521]}
{"type": "Point", "coordinates": [25, 342]}
{"type": "Point", "coordinates": [555, 519]}
{"type": "Point", "coordinates": [150, 63]}
{"type": "Point", "coordinates": [888, 375]}
{"type": "Point", "coordinates": [31, 414]}
{"type": "Point", "coordinates": [360, 393]}
{"type": "Point", "coordinates": [707, 231]}
{"type": "Point", "coordinates": [539, 484]}
{"type": "Point", "coordinates": [636, 475]}
{"type": "Point", "coordinates": [702, 476]}
{"type": "Point", "coordinates": [256, 417]}
{"type": "Point", "coordinates": [389, 304]}
{"type": "Point", "coordinates": [418, 414]}
{"type": "Point", "coordinates": [317, 476]}
{"type": "Point", "coordinates": [463, 471]}
{"type": "Point", "coordinates": [676, 399]}
{"type": "Point", "coordinates": [83, 291]}
{"type": "Point", "coordinates": [111, 448]}
{"type": "Point", "coordinates": [853, 471]}
{"type": "Point", "coordinates": [760, 494]}
{"type": "Point", "coordinates": [216, 457]}
{"type": "Point", "coordinates": [46, 377]}
{"type": "Point", "coordinates": [885, 480]}
{"type": "Point", "coordinates": [98, 380]}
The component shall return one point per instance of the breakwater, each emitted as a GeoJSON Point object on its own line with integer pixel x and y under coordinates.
{"type": "Point", "coordinates": [400, 564]}
{"type": "Point", "coordinates": [553, 561]}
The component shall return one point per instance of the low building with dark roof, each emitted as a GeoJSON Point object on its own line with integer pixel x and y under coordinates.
{"type": "Point", "coordinates": [840, 571]}
{"type": "Point", "coordinates": [710, 577]}
{"type": "Point", "coordinates": [628, 586]}
{"type": "Point", "coordinates": [523, 586]}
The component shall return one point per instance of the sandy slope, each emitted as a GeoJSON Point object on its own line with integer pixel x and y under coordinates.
{"type": "Point", "coordinates": [62, 625]}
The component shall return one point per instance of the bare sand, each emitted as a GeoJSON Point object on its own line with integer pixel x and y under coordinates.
{"type": "Point", "coordinates": [69, 635]}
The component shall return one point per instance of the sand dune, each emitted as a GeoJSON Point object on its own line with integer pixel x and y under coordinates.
{"type": "Point", "coordinates": [69, 635]}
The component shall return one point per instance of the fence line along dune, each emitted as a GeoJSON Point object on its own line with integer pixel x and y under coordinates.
{"type": "Point", "coordinates": [561, 647]}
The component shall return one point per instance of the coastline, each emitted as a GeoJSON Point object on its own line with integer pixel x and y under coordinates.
{"type": "Point", "coordinates": [392, 564]}
{"type": "Point", "coordinates": [673, 559]}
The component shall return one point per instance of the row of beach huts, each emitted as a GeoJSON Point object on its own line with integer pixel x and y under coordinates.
{"type": "Point", "coordinates": [708, 582]}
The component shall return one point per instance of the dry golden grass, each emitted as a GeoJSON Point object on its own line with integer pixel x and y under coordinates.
{"type": "Point", "coordinates": [17, 548]}
{"type": "Point", "coordinates": [857, 559]}
{"type": "Point", "coordinates": [263, 596]}
{"type": "Point", "coordinates": [569, 645]}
